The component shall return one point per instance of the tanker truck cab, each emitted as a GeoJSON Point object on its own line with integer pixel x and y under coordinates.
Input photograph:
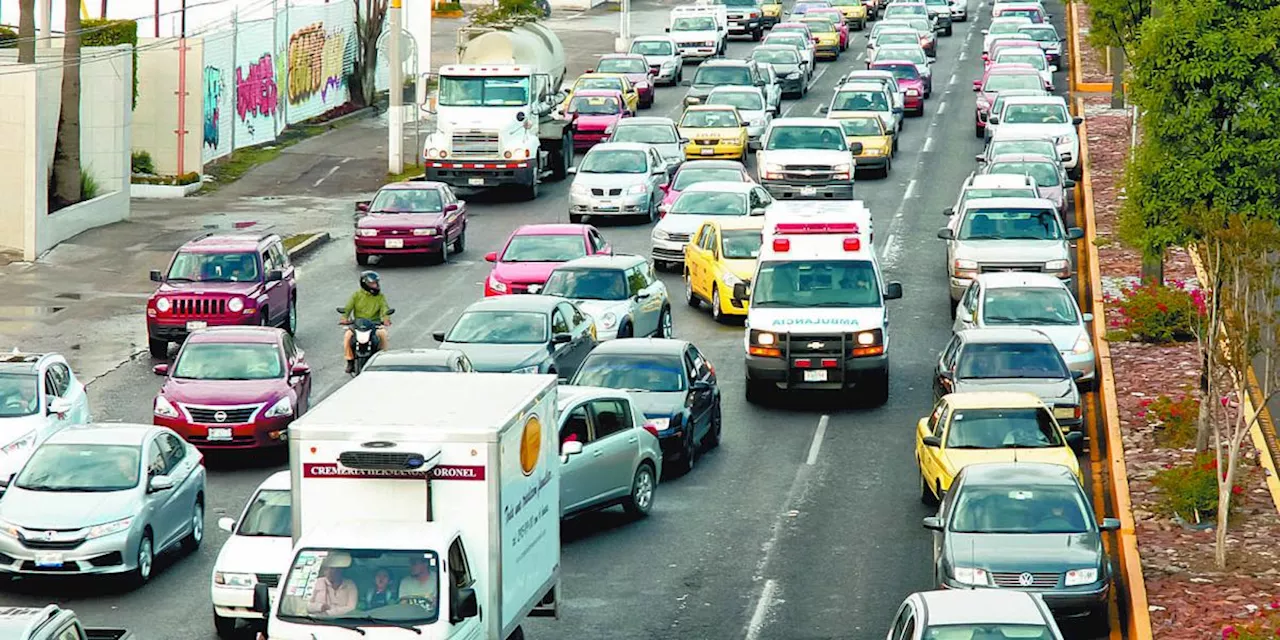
{"type": "Point", "coordinates": [444, 522]}
{"type": "Point", "coordinates": [817, 318]}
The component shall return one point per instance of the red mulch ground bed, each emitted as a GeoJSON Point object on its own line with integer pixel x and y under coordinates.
{"type": "Point", "coordinates": [1093, 62]}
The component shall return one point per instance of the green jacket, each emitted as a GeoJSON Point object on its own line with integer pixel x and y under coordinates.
{"type": "Point", "coordinates": [367, 306]}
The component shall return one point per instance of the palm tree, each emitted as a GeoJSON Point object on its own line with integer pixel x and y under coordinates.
{"type": "Point", "coordinates": [26, 31]}
{"type": "Point", "coordinates": [64, 186]}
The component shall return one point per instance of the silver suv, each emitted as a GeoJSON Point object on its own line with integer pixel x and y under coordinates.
{"type": "Point", "coordinates": [621, 293]}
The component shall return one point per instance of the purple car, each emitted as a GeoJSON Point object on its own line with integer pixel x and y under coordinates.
{"type": "Point", "coordinates": [411, 218]}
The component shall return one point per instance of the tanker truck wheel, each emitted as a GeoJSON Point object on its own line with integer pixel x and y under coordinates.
{"type": "Point", "coordinates": [562, 158]}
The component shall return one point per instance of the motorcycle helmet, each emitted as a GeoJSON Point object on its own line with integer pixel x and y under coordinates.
{"type": "Point", "coordinates": [369, 282]}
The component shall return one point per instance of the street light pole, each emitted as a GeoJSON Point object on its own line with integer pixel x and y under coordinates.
{"type": "Point", "coordinates": [395, 93]}
{"type": "Point", "coordinates": [624, 27]}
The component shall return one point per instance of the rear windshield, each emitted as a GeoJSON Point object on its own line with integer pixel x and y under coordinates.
{"type": "Point", "coordinates": [710, 118]}
{"type": "Point", "coordinates": [595, 105]}
{"type": "Point", "coordinates": [1005, 81]}
{"type": "Point", "coordinates": [862, 127]}
{"type": "Point", "coordinates": [587, 284]}
{"type": "Point", "coordinates": [1035, 114]}
{"type": "Point", "coordinates": [776, 56]}
{"type": "Point", "coordinates": [1011, 360]}
{"type": "Point", "coordinates": [544, 248]}
{"type": "Point", "coordinates": [1034, 59]}
{"type": "Point", "coordinates": [614, 84]}
{"type": "Point", "coordinates": [1046, 174]}
{"type": "Point", "coordinates": [741, 245]}
{"type": "Point", "coordinates": [721, 76]}
{"type": "Point", "coordinates": [860, 101]}
{"type": "Point", "coordinates": [910, 54]}
{"type": "Point", "coordinates": [1023, 428]}
{"type": "Point", "coordinates": [1022, 147]}
{"type": "Point", "coordinates": [658, 373]}
{"type": "Point", "coordinates": [900, 71]}
{"type": "Point", "coordinates": [1029, 305]}
{"type": "Point", "coordinates": [686, 178]}
{"type": "Point", "coordinates": [622, 65]}
{"type": "Point", "coordinates": [652, 48]}
{"type": "Point", "coordinates": [743, 100]}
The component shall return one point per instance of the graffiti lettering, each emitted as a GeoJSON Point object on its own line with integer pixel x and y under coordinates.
{"type": "Point", "coordinates": [256, 92]}
{"type": "Point", "coordinates": [315, 62]}
{"type": "Point", "coordinates": [212, 92]}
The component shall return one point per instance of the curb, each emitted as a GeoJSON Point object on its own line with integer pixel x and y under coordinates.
{"type": "Point", "coordinates": [1075, 77]}
{"type": "Point", "coordinates": [318, 239]}
{"type": "Point", "coordinates": [361, 113]}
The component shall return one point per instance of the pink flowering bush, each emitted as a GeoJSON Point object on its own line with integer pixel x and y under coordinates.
{"type": "Point", "coordinates": [1175, 420]}
{"type": "Point", "coordinates": [1157, 314]}
{"type": "Point", "coordinates": [1263, 625]}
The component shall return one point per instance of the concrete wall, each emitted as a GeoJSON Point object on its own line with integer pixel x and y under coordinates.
{"type": "Point", "coordinates": [156, 117]}
{"type": "Point", "coordinates": [29, 109]}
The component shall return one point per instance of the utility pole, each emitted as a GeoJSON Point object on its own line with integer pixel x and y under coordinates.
{"type": "Point", "coordinates": [395, 93]}
{"type": "Point", "coordinates": [104, 10]}
{"type": "Point", "coordinates": [184, 19]}
{"type": "Point", "coordinates": [624, 27]}
{"type": "Point", "coordinates": [46, 24]}
{"type": "Point", "coordinates": [158, 21]}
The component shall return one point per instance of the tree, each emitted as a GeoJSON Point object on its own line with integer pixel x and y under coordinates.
{"type": "Point", "coordinates": [1206, 77]}
{"type": "Point", "coordinates": [66, 180]}
{"type": "Point", "coordinates": [1249, 290]}
{"type": "Point", "coordinates": [1117, 23]}
{"type": "Point", "coordinates": [369, 23]}
{"type": "Point", "coordinates": [26, 31]}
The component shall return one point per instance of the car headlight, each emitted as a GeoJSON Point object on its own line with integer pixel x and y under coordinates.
{"type": "Point", "coordinates": [1077, 577]}
{"type": "Point", "coordinates": [983, 104]}
{"type": "Point", "coordinates": [773, 168]}
{"type": "Point", "coordinates": [765, 338]}
{"type": "Point", "coordinates": [234, 580]}
{"type": "Point", "coordinates": [1057, 265]}
{"type": "Point", "coordinates": [165, 409]}
{"type": "Point", "coordinates": [8, 528]}
{"type": "Point", "coordinates": [963, 265]}
{"type": "Point", "coordinates": [109, 528]}
{"type": "Point", "coordinates": [1062, 140]}
{"type": "Point", "coordinates": [661, 424]}
{"type": "Point", "coordinates": [637, 189]}
{"type": "Point", "coordinates": [366, 233]}
{"type": "Point", "coordinates": [163, 305]}
{"type": "Point", "coordinates": [25, 442]}
{"type": "Point", "coordinates": [609, 320]}
{"type": "Point", "coordinates": [912, 92]}
{"type": "Point", "coordinates": [497, 285]}
{"type": "Point", "coordinates": [235, 305]}
{"type": "Point", "coordinates": [529, 369]}
{"type": "Point", "coordinates": [424, 232]}
{"type": "Point", "coordinates": [669, 64]}
{"type": "Point", "coordinates": [843, 167]}
{"type": "Point", "coordinates": [868, 338]}
{"type": "Point", "coordinates": [1082, 345]}
{"type": "Point", "coordinates": [731, 279]}
{"type": "Point", "coordinates": [659, 234]}
{"type": "Point", "coordinates": [283, 407]}
{"type": "Point", "coordinates": [971, 575]}
{"type": "Point", "coordinates": [794, 75]}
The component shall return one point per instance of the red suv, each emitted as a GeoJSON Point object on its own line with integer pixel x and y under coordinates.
{"type": "Point", "coordinates": [234, 388]}
{"type": "Point", "coordinates": [219, 280]}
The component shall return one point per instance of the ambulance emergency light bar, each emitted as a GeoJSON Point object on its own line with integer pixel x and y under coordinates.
{"type": "Point", "coordinates": [815, 228]}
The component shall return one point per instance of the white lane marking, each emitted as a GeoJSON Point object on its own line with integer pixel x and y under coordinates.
{"type": "Point", "coordinates": [817, 440]}
{"type": "Point", "coordinates": [952, 80]}
{"type": "Point", "coordinates": [762, 609]}
{"type": "Point", "coordinates": [346, 160]}
{"type": "Point", "coordinates": [928, 145]}
{"type": "Point", "coordinates": [860, 55]}
{"type": "Point", "coordinates": [326, 176]}
{"type": "Point", "coordinates": [911, 189]}
{"type": "Point", "coordinates": [963, 56]}
{"type": "Point", "coordinates": [942, 107]}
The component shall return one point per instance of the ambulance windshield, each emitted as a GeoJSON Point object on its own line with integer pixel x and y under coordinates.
{"type": "Point", "coordinates": [816, 283]}
{"type": "Point", "coordinates": [362, 587]}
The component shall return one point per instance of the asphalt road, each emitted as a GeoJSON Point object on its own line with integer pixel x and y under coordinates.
{"type": "Point", "coordinates": [805, 524]}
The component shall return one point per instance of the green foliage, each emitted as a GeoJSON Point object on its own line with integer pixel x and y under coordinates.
{"type": "Point", "coordinates": [1190, 491]}
{"type": "Point", "coordinates": [1207, 79]}
{"type": "Point", "coordinates": [1175, 420]}
{"type": "Point", "coordinates": [507, 12]}
{"type": "Point", "coordinates": [141, 163]}
{"type": "Point", "coordinates": [8, 38]}
{"type": "Point", "coordinates": [1117, 23]}
{"type": "Point", "coordinates": [1158, 314]}
{"type": "Point", "coordinates": [448, 7]}
{"type": "Point", "coordinates": [168, 181]}
{"type": "Point", "coordinates": [88, 186]}
{"type": "Point", "coordinates": [110, 33]}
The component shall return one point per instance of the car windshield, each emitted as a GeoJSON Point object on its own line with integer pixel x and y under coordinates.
{"type": "Point", "coordinates": [1028, 305]}
{"type": "Point", "coordinates": [723, 76]}
{"type": "Point", "coordinates": [859, 101]}
{"type": "Point", "coordinates": [862, 127]}
{"type": "Point", "coordinates": [1024, 428]}
{"type": "Point", "coordinates": [356, 587]}
{"type": "Point", "coordinates": [900, 71]}
{"type": "Point", "coordinates": [694, 24]}
{"type": "Point", "coordinates": [81, 467]}
{"type": "Point", "coordinates": [652, 48]}
{"type": "Point", "coordinates": [19, 394]}
{"type": "Point", "coordinates": [194, 266]}
{"type": "Point", "coordinates": [1031, 14]}
{"type": "Point", "coordinates": [741, 244]}
{"type": "Point", "coordinates": [1037, 509]}
{"type": "Point", "coordinates": [227, 361]}
{"type": "Point", "coordinates": [710, 203]}
{"type": "Point", "coordinates": [595, 105]}
{"type": "Point", "coordinates": [471, 91]}
{"type": "Point", "coordinates": [407, 201]}
{"type": "Point", "coordinates": [896, 37]}
{"type": "Point", "coordinates": [986, 360]}
{"type": "Point", "coordinates": [905, 10]}
{"type": "Point", "coordinates": [776, 56]}
{"type": "Point", "coordinates": [1045, 173]}
{"type": "Point", "coordinates": [270, 514]}
{"type": "Point", "coordinates": [743, 100]}
{"type": "Point", "coordinates": [622, 65]}
{"type": "Point", "coordinates": [1034, 113]}
{"type": "Point", "coordinates": [816, 283]}
{"type": "Point", "coordinates": [1040, 34]}
{"type": "Point", "coordinates": [1011, 224]}
{"type": "Point", "coordinates": [499, 327]}
{"type": "Point", "coordinates": [587, 284]}
{"type": "Point", "coordinates": [910, 54]}
{"type": "Point", "coordinates": [1005, 81]}
{"type": "Point", "coordinates": [687, 177]}
{"type": "Point", "coordinates": [823, 138]}
{"type": "Point", "coordinates": [1036, 60]}
{"type": "Point", "coordinates": [794, 38]}
{"type": "Point", "coordinates": [973, 193]}
{"type": "Point", "coordinates": [613, 161]}
{"type": "Point", "coordinates": [984, 631]}
{"type": "Point", "coordinates": [1005, 26]}
{"type": "Point", "coordinates": [1022, 147]}
{"type": "Point", "coordinates": [740, 3]}
{"type": "Point", "coordinates": [658, 373]}
{"type": "Point", "coordinates": [644, 133]}
{"type": "Point", "coordinates": [710, 119]}
{"type": "Point", "coordinates": [544, 248]}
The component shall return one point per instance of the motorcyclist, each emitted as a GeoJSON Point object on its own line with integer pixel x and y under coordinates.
{"type": "Point", "coordinates": [366, 303]}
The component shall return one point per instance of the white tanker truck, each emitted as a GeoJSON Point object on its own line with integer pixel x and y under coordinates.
{"type": "Point", "coordinates": [495, 121]}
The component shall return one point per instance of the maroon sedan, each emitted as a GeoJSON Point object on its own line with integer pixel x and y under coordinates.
{"type": "Point", "coordinates": [234, 388]}
{"type": "Point", "coordinates": [1001, 77]}
{"type": "Point", "coordinates": [415, 217]}
{"type": "Point", "coordinates": [909, 80]}
{"type": "Point", "coordinates": [634, 67]}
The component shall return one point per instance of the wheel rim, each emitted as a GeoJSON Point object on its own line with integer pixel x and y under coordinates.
{"type": "Point", "coordinates": [197, 523]}
{"type": "Point", "coordinates": [716, 311]}
{"type": "Point", "coordinates": [144, 558]}
{"type": "Point", "coordinates": [644, 489]}
{"type": "Point", "coordinates": [688, 288]}
{"type": "Point", "coordinates": [293, 317]}
{"type": "Point", "coordinates": [666, 324]}
{"type": "Point", "coordinates": [691, 449]}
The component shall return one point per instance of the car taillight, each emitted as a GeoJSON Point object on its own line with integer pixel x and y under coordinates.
{"type": "Point", "coordinates": [651, 429]}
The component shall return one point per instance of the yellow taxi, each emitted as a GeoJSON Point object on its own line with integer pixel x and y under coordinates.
{"type": "Point", "coordinates": [828, 37]}
{"type": "Point", "coordinates": [772, 10]}
{"type": "Point", "coordinates": [855, 13]}
{"type": "Point", "coordinates": [988, 426]}
{"type": "Point", "coordinates": [607, 81]}
{"type": "Point", "coordinates": [720, 255]}
{"type": "Point", "coordinates": [878, 144]}
{"type": "Point", "coordinates": [713, 131]}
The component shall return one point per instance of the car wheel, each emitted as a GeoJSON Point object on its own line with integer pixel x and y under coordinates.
{"type": "Point", "coordinates": [624, 329]}
{"type": "Point", "coordinates": [888, 166]}
{"type": "Point", "coordinates": [362, 259]}
{"type": "Point", "coordinates": [291, 324]}
{"type": "Point", "coordinates": [225, 627]}
{"type": "Point", "coordinates": [158, 348]}
{"type": "Point", "coordinates": [690, 297]}
{"type": "Point", "coordinates": [193, 539]}
{"type": "Point", "coordinates": [717, 313]}
{"type": "Point", "coordinates": [144, 561]}
{"type": "Point", "coordinates": [642, 486]}
{"type": "Point", "coordinates": [876, 389]}
{"type": "Point", "coordinates": [460, 244]}
{"type": "Point", "coordinates": [926, 492]}
{"type": "Point", "coordinates": [947, 32]}
{"type": "Point", "coordinates": [713, 434]}
{"type": "Point", "coordinates": [664, 323]}
{"type": "Point", "coordinates": [689, 456]}
{"type": "Point", "coordinates": [443, 256]}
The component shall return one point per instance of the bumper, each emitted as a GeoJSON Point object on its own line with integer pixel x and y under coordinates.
{"type": "Point", "coordinates": [398, 245]}
{"type": "Point", "coordinates": [831, 49]}
{"type": "Point", "coordinates": [667, 75]}
{"type": "Point", "coordinates": [959, 14]}
{"type": "Point", "coordinates": [768, 21]}
{"type": "Point", "coordinates": [114, 553]}
{"type": "Point", "coordinates": [234, 603]}
{"type": "Point", "coordinates": [829, 191]}
{"type": "Point", "coordinates": [1070, 156]}
{"type": "Point", "coordinates": [588, 139]}
{"type": "Point", "coordinates": [608, 206]}
{"type": "Point", "coordinates": [480, 174]}
{"type": "Point", "coordinates": [743, 27]}
{"type": "Point", "coordinates": [777, 372]}
{"type": "Point", "coordinates": [668, 251]}
{"type": "Point", "coordinates": [1054, 59]}
{"type": "Point", "coordinates": [645, 94]}
{"type": "Point", "coordinates": [913, 103]}
{"type": "Point", "coordinates": [944, 19]}
{"type": "Point", "coordinates": [1070, 423]}
{"type": "Point", "coordinates": [729, 306]}
{"type": "Point", "coordinates": [178, 330]}
{"type": "Point", "coordinates": [266, 432]}
{"type": "Point", "coordinates": [1066, 601]}
{"type": "Point", "coordinates": [870, 162]}
{"type": "Point", "coordinates": [719, 151]}
{"type": "Point", "coordinates": [700, 53]}
{"type": "Point", "coordinates": [792, 85]}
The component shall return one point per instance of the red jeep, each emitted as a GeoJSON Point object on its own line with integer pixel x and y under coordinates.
{"type": "Point", "coordinates": [216, 280]}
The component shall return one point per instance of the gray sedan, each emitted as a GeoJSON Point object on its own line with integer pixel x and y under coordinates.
{"type": "Point", "coordinates": [608, 454]}
{"type": "Point", "coordinates": [522, 334]}
{"type": "Point", "coordinates": [419, 360]}
{"type": "Point", "coordinates": [618, 179]}
{"type": "Point", "coordinates": [656, 131]}
{"type": "Point", "coordinates": [103, 498]}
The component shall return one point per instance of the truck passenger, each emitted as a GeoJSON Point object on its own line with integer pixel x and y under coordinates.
{"type": "Point", "coordinates": [382, 594]}
{"type": "Point", "coordinates": [335, 594]}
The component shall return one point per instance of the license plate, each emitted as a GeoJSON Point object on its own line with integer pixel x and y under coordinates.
{"type": "Point", "coordinates": [708, 152]}
{"type": "Point", "coordinates": [49, 560]}
{"type": "Point", "coordinates": [476, 182]}
{"type": "Point", "coordinates": [192, 325]}
{"type": "Point", "coordinates": [219, 433]}
{"type": "Point", "coordinates": [395, 244]}
{"type": "Point", "coordinates": [815, 376]}
{"type": "Point", "coordinates": [808, 191]}
{"type": "Point", "coordinates": [1064, 412]}
{"type": "Point", "coordinates": [735, 25]}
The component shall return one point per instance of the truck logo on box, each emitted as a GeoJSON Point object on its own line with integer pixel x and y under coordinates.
{"type": "Point", "coordinates": [442, 472]}
{"type": "Point", "coordinates": [530, 445]}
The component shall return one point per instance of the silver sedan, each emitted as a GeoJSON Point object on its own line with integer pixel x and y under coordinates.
{"type": "Point", "coordinates": [103, 498]}
{"type": "Point", "coordinates": [608, 454]}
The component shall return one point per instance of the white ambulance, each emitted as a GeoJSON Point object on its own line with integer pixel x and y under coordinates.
{"type": "Point", "coordinates": [423, 502]}
{"type": "Point", "coordinates": [817, 317]}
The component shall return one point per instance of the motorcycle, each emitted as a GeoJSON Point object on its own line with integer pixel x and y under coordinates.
{"type": "Point", "coordinates": [364, 340]}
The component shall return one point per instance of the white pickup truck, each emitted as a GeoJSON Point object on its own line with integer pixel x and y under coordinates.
{"type": "Point", "coordinates": [701, 32]}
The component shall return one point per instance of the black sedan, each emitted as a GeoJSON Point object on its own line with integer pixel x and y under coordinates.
{"type": "Point", "coordinates": [673, 384]}
{"type": "Point", "coordinates": [1026, 526]}
{"type": "Point", "coordinates": [419, 360]}
{"type": "Point", "coordinates": [522, 334]}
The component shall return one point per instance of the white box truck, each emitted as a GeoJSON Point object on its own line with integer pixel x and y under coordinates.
{"type": "Point", "coordinates": [423, 501]}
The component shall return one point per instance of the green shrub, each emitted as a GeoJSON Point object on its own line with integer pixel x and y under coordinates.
{"type": "Point", "coordinates": [1175, 421]}
{"type": "Point", "coordinates": [8, 38]}
{"type": "Point", "coordinates": [1158, 314]}
{"type": "Point", "coordinates": [109, 33]}
{"type": "Point", "coordinates": [507, 12]}
{"type": "Point", "coordinates": [88, 186]}
{"type": "Point", "coordinates": [168, 181]}
{"type": "Point", "coordinates": [1191, 491]}
{"type": "Point", "coordinates": [141, 161]}
{"type": "Point", "coordinates": [448, 7]}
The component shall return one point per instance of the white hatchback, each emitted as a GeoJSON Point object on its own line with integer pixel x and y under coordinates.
{"type": "Point", "coordinates": [39, 394]}
{"type": "Point", "coordinates": [259, 550]}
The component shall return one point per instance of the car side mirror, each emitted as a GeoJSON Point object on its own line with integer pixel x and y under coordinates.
{"type": "Point", "coordinates": [684, 141]}
{"type": "Point", "coordinates": [451, 207]}
{"type": "Point", "coordinates": [667, 29]}
{"type": "Point", "coordinates": [740, 291]}
{"type": "Point", "coordinates": [492, 256]}
{"type": "Point", "coordinates": [980, 158]}
{"type": "Point", "coordinates": [227, 524]}
{"type": "Point", "coordinates": [562, 338]}
{"type": "Point", "coordinates": [1110, 524]}
{"type": "Point", "coordinates": [300, 369]}
{"type": "Point", "coordinates": [948, 212]}
{"type": "Point", "coordinates": [438, 336]}
{"type": "Point", "coordinates": [363, 206]}
{"type": "Point", "coordinates": [933, 523]}
{"type": "Point", "coordinates": [1076, 375]}
{"type": "Point", "coordinates": [275, 275]}
{"type": "Point", "coordinates": [1077, 120]}
{"type": "Point", "coordinates": [261, 598]}
{"type": "Point", "coordinates": [701, 385]}
{"type": "Point", "coordinates": [465, 605]}
{"type": "Point", "coordinates": [758, 211]}
{"type": "Point", "coordinates": [1086, 317]}
{"type": "Point", "coordinates": [1070, 184]}
{"type": "Point", "coordinates": [977, 84]}
{"type": "Point", "coordinates": [156, 276]}
{"type": "Point", "coordinates": [160, 369]}
{"type": "Point", "coordinates": [986, 32]}
{"type": "Point", "coordinates": [59, 406]}
{"type": "Point", "coordinates": [570, 448]}
{"type": "Point", "coordinates": [1074, 439]}
{"type": "Point", "coordinates": [946, 234]}
{"type": "Point", "coordinates": [1075, 233]}
{"type": "Point", "coordinates": [855, 148]}
{"type": "Point", "coordinates": [571, 171]}
{"type": "Point", "coordinates": [893, 291]}
{"type": "Point", "coordinates": [931, 441]}
{"type": "Point", "coordinates": [993, 119]}
{"type": "Point", "coordinates": [159, 483]}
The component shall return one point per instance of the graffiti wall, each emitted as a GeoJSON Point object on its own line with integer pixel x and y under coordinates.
{"type": "Point", "coordinates": [317, 61]}
{"type": "Point", "coordinates": [218, 104]}
{"type": "Point", "coordinates": [257, 85]}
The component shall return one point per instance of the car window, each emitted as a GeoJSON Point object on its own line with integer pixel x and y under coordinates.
{"type": "Point", "coordinates": [577, 427]}
{"type": "Point", "coordinates": [765, 198]}
{"type": "Point", "coordinates": [462, 578]}
{"type": "Point", "coordinates": [157, 465]}
{"type": "Point", "coordinates": [690, 369]}
{"type": "Point", "coordinates": [558, 322]}
{"type": "Point", "coordinates": [610, 417]}
{"type": "Point", "coordinates": [57, 380]}
{"type": "Point", "coordinates": [268, 262]}
{"type": "Point", "coordinates": [935, 418]}
{"type": "Point", "coordinates": [70, 632]}
{"type": "Point", "coordinates": [597, 242]}
{"type": "Point", "coordinates": [950, 351]}
{"type": "Point", "coordinates": [1022, 428]}
{"type": "Point", "coordinates": [909, 631]}
{"type": "Point", "coordinates": [636, 281]}
{"type": "Point", "coordinates": [900, 622]}
{"type": "Point", "coordinates": [995, 360]}
{"type": "Point", "coordinates": [970, 297]}
{"type": "Point", "coordinates": [290, 347]}
{"type": "Point", "coordinates": [174, 450]}
{"type": "Point", "coordinates": [576, 317]}
{"type": "Point", "coordinates": [701, 364]}
{"type": "Point", "coordinates": [279, 256]}
{"type": "Point", "coordinates": [712, 242]}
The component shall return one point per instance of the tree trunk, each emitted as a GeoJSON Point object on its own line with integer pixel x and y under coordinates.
{"type": "Point", "coordinates": [26, 31]}
{"type": "Point", "coordinates": [1153, 269]}
{"type": "Point", "coordinates": [370, 15]}
{"type": "Point", "coordinates": [1116, 56]}
{"type": "Point", "coordinates": [65, 184]}
{"type": "Point", "coordinates": [1204, 419]}
{"type": "Point", "coordinates": [1224, 495]}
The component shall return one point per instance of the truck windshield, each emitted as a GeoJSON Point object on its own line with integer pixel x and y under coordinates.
{"type": "Point", "coordinates": [362, 587]}
{"type": "Point", "coordinates": [822, 138]}
{"type": "Point", "coordinates": [694, 24]}
{"type": "Point", "coordinates": [193, 266]}
{"type": "Point", "coordinates": [489, 92]}
{"type": "Point", "coordinates": [18, 395]}
{"type": "Point", "coordinates": [817, 283]}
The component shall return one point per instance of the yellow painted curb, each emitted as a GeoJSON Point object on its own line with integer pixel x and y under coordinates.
{"type": "Point", "coordinates": [1076, 82]}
